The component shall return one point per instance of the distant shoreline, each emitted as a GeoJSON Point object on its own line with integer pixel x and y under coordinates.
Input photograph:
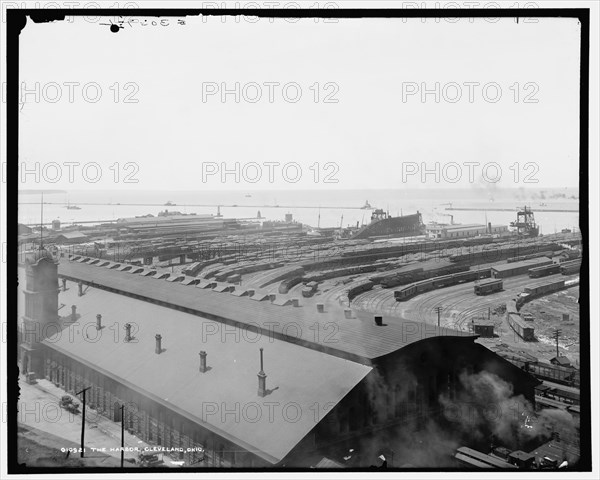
{"type": "Point", "coordinates": [38, 192]}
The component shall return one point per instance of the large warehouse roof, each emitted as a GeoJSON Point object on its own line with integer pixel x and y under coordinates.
{"type": "Point", "coordinates": [303, 384]}
{"type": "Point", "coordinates": [356, 338]}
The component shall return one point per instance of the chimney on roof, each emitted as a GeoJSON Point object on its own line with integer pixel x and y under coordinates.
{"type": "Point", "coordinates": [128, 332]}
{"type": "Point", "coordinates": [203, 362]}
{"type": "Point", "coordinates": [378, 320]}
{"type": "Point", "coordinates": [262, 378]}
{"type": "Point", "coordinates": [73, 312]}
{"type": "Point", "coordinates": [80, 285]}
{"type": "Point", "coordinates": [158, 348]}
{"type": "Point", "coordinates": [98, 322]}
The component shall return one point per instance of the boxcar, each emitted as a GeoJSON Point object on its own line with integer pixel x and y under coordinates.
{"type": "Point", "coordinates": [544, 271]}
{"type": "Point", "coordinates": [488, 286]}
{"type": "Point", "coordinates": [526, 332]}
{"type": "Point", "coordinates": [570, 268]}
{"type": "Point", "coordinates": [473, 459]}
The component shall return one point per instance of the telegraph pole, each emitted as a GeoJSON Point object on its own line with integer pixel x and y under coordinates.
{"type": "Point", "coordinates": [122, 434]}
{"type": "Point", "coordinates": [83, 418]}
{"type": "Point", "coordinates": [439, 312]}
{"type": "Point", "coordinates": [557, 333]}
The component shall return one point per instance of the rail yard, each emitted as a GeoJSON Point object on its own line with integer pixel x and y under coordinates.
{"type": "Point", "coordinates": [467, 284]}
{"type": "Point", "coordinates": [515, 294]}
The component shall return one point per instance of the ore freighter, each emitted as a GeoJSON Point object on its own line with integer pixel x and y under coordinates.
{"type": "Point", "coordinates": [384, 225]}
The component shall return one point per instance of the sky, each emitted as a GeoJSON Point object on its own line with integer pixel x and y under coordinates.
{"type": "Point", "coordinates": [341, 104]}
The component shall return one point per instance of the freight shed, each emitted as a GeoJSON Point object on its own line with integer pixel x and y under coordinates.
{"type": "Point", "coordinates": [216, 392]}
{"type": "Point", "coordinates": [483, 328]}
{"type": "Point", "coordinates": [518, 268]}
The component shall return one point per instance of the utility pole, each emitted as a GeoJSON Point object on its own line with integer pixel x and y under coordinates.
{"type": "Point", "coordinates": [122, 434]}
{"type": "Point", "coordinates": [439, 312]}
{"type": "Point", "coordinates": [83, 419]}
{"type": "Point", "coordinates": [557, 333]}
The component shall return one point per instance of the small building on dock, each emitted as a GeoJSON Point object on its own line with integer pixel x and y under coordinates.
{"type": "Point", "coordinates": [68, 238]}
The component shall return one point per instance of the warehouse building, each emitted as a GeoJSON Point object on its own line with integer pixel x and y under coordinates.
{"type": "Point", "coordinates": [465, 230]}
{"type": "Point", "coordinates": [253, 387]}
{"type": "Point", "coordinates": [518, 268]}
{"type": "Point", "coordinates": [67, 238]}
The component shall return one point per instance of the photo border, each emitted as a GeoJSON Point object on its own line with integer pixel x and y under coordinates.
{"type": "Point", "coordinates": [17, 20]}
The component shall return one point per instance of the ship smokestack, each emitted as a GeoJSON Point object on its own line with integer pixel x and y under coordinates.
{"type": "Point", "coordinates": [98, 322]}
{"type": "Point", "coordinates": [158, 348]}
{"type": "Point", "coordinates": [378, 320]}
{"type": "Point", "coordinates": [73, 312]}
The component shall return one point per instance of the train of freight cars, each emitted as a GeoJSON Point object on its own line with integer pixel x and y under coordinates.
{"type": "Point", "coordinates": [414, 272]}
{"type": "Point", "coordinates": [547, 253]}
{"type": "Point", "coordinates": [442, 281]}
{"type": "Point", "coordinates": [502, 253]}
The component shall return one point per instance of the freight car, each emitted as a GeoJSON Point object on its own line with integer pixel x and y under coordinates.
{"type": "Point", "coordinates": [544, 271]}
{"type": "Point", "coordinates": [524, 330]}
{"type": "Point", "coordinates": [570, 268]}
{"type": "Point", "coordinates": [488, 286]}
{"type": "Point", "coordinates": [405, 293]}
{"type": "Point", "coordinates": [309, 289]}
{"type": "Point", "coordinates": [543, 288]}
{"type": "Point", "coordinates": [288, 283]}
{"type": "Point", "coordinates": [357, 288]}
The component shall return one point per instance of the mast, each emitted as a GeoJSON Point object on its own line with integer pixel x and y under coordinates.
{"type": "Point", "coordinates": [42, 223]}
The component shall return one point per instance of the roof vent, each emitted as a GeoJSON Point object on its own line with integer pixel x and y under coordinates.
{"type": "Point", "coordinates": [262, 378]}
{"type": "Point", "coordinates": [203, 368]}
